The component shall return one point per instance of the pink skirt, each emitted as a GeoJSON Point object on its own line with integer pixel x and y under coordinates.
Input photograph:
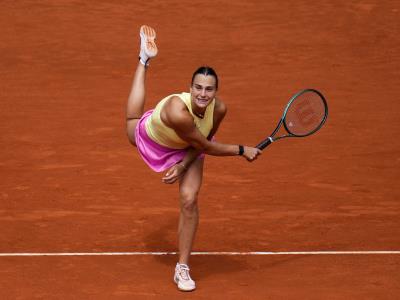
{"type": "Point", "coordinates": [157, 157]}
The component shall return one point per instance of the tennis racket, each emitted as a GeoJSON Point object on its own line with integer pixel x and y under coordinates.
{"type": "Point", "coordinates": [304, 115]}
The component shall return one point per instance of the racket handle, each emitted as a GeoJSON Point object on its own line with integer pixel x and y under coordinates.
{"type": "Point", "coordinates": [264, 143]}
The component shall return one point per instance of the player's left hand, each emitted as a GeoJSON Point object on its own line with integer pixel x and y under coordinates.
{"type": "Point", "coordinates": [174, 173]}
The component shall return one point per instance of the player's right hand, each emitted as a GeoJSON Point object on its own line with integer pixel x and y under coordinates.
{"type": "Point", "coordinates": [251, 153]}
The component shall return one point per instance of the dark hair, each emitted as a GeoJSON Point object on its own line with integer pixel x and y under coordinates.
{"type": "Point", "coordinates": [205, 70]}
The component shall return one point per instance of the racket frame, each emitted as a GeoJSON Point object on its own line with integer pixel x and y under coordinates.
{"type": "Point", "coordinates": [271, 138]}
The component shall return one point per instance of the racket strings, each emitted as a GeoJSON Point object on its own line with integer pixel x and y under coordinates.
{"type": "Point", "coordinates": [305, 114]}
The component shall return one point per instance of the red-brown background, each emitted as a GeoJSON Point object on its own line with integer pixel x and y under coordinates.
{"type": "Point", "coordinates": [70, 181]}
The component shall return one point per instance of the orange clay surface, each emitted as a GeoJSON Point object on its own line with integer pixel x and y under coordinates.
{"type": "Point", "coordinates": [70, 181]}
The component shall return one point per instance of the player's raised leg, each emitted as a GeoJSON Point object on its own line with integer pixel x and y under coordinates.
{"type": "Point", "coordinates": [136, 100]}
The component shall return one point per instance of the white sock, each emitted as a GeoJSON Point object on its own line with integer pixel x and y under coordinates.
{"type": "Point", "coordinates": [143, 62]}
{"type": "Point", "coordinates": [143, 57]}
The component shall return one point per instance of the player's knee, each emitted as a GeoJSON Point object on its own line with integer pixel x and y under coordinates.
{"type": "Point", "coordinates": [189, 201]}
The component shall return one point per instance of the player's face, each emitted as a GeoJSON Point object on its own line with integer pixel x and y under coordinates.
{"type": "Point", "coordinates": [203, 90]}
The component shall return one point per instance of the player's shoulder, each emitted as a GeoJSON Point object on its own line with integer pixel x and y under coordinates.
{"type": "Point", "coordinates": [174, 104]}
{"type": "Point", "coordinates": [220, 107]}
{"type": "Point", "coordinates": [176, 112]}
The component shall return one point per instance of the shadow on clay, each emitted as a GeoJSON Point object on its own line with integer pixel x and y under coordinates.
{"type": "Point", "coordinates": [204, 266]}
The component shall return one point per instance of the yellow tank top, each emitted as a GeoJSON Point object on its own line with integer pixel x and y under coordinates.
{"type": "Point", "coordinates": [166, 136]}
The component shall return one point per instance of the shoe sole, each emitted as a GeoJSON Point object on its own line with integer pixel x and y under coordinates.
{"type": "Point", "coordinates": [150, 35]}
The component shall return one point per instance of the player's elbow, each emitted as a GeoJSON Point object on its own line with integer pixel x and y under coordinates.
{"type": "Point", "coordinates": [210, 149]}
{"type": "Point", "coordinates": [203, 147]}
{"type": "Point", "coordinates": [199, 146]}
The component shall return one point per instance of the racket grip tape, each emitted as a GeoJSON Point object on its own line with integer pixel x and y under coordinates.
{"type": "Point", "coordinates": [265, 143]}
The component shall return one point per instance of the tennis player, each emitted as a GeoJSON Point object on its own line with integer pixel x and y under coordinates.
{"type": "Point", "coordinates": [174, 137]}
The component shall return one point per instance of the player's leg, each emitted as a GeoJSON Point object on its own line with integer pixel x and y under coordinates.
{"type": "Point", "coordinates": [135, 106]}
{"type": "Point", "coordinates": [189, 188]}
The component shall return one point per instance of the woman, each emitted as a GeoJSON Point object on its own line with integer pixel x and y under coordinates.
{"type": "Point", "coordinates": [175, 136]}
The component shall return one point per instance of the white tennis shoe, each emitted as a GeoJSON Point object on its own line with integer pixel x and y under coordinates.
{"type": "Point", "coordinates": [182, 278]}
{"type": "Point", "coordinates": [148, 47]}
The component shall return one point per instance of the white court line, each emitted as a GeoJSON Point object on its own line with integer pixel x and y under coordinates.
{"type": "Point", "coordinates": [203, 253]}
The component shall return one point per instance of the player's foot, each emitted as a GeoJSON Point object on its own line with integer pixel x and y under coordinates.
{"type": "Point", "coordinates": [182, 278]}
{"type": "Point", "coordinates": [148, 47]}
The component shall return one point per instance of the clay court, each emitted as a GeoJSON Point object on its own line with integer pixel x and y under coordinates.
{"type": "Point", "coordinates": [71, 183]}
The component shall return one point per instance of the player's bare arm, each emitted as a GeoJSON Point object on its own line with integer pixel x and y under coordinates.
{"type": "Point", "coordinates": [175, 172]}
{"type": "Point", "coordinates": [176, 116]}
